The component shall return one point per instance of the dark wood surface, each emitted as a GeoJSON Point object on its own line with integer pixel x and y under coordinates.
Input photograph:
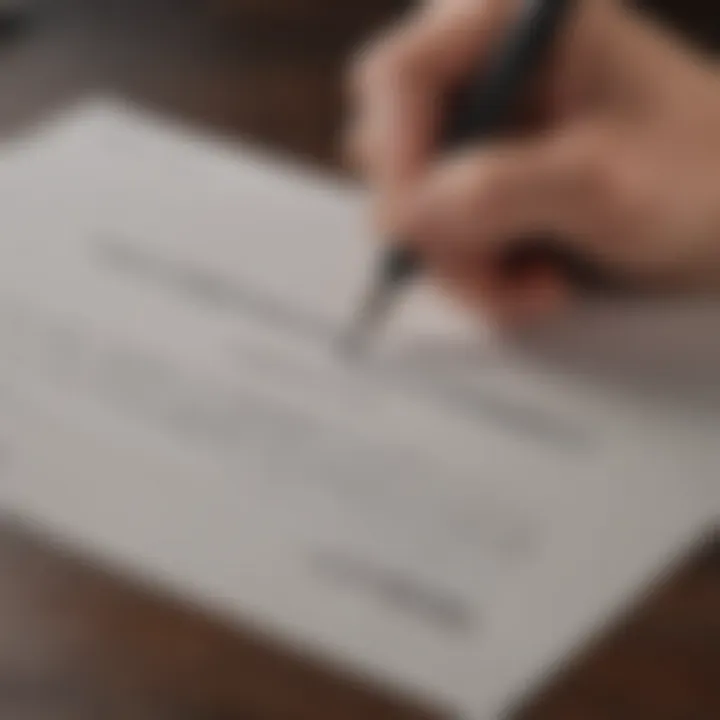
{"type": "Point", "coordinates": [79, 644]}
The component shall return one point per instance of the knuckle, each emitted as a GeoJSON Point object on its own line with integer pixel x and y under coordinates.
{"type": "Point", "coordinates": [593, 165]}
{"type": "Point", "coordinates": [597, 177]}
{"type": "Point", "coordinates": [395, 59]}
{"type": "Point", "coordinates": [610, 182]}
{"type": "Point", "coordinates": [490, 181]}
{"type": "Point", "coordinates": [477, 192]}
{"type": "Point", "coordinates": [470, 185]}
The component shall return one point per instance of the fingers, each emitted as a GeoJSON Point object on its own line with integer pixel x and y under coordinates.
{"type": "Point", "coordinates": [487, 198]}
{"type": "Point", "coordinates": [506, 302]}
{"type": "Point", "coordinates": [400, 82]}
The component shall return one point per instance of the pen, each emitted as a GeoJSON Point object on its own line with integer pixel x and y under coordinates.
{"type": "Point", "coordinates": [486, 106]}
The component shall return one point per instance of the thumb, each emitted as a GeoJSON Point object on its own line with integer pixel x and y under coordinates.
{"type": "Point", "coordinates": [488, 197]}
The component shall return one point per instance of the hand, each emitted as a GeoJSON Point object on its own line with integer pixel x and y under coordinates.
{"type": "Point", "coordinates": [621, 159]}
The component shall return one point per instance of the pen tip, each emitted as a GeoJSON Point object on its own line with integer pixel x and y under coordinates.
{"type": "Point", "coordinates": [364, 327]}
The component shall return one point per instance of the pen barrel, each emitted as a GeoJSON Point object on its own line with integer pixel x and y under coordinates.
{"type": "Point", "coordinates": [400, 265]}
{"type": "Point", "coordinates": [489, 102]}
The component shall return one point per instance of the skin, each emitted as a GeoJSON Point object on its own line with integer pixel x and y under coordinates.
{"type": "Point", "coordinates": [618, 155]}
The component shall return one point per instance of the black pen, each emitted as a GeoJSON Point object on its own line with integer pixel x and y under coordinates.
{"type": "Point", "coordinates": [487, 105]}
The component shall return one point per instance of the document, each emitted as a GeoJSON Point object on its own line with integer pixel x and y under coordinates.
{"type": "Point", "coordinates": [451, 514]}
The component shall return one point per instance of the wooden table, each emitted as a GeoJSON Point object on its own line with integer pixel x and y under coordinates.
{"type": "Point", "coordinates": [79, 644]}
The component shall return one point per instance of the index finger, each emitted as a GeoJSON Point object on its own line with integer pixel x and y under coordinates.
{"type": "Point", "coordinates": [400, 82]}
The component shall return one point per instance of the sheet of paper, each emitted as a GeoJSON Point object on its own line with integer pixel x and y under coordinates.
{"type": "Point", "coordinates": [449, 515]}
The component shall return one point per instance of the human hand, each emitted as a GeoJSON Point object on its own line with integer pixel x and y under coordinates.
{"type": "Point", "coordinates": [621, 159]}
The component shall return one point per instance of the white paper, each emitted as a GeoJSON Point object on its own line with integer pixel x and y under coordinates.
{"type": "Point", "coordinates": [450, 515]}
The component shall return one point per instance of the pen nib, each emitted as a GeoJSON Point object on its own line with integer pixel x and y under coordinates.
{"type": "Point", "coordinates": [369, 319]}
{"type": "Point", "coordinates": [398, 266]}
